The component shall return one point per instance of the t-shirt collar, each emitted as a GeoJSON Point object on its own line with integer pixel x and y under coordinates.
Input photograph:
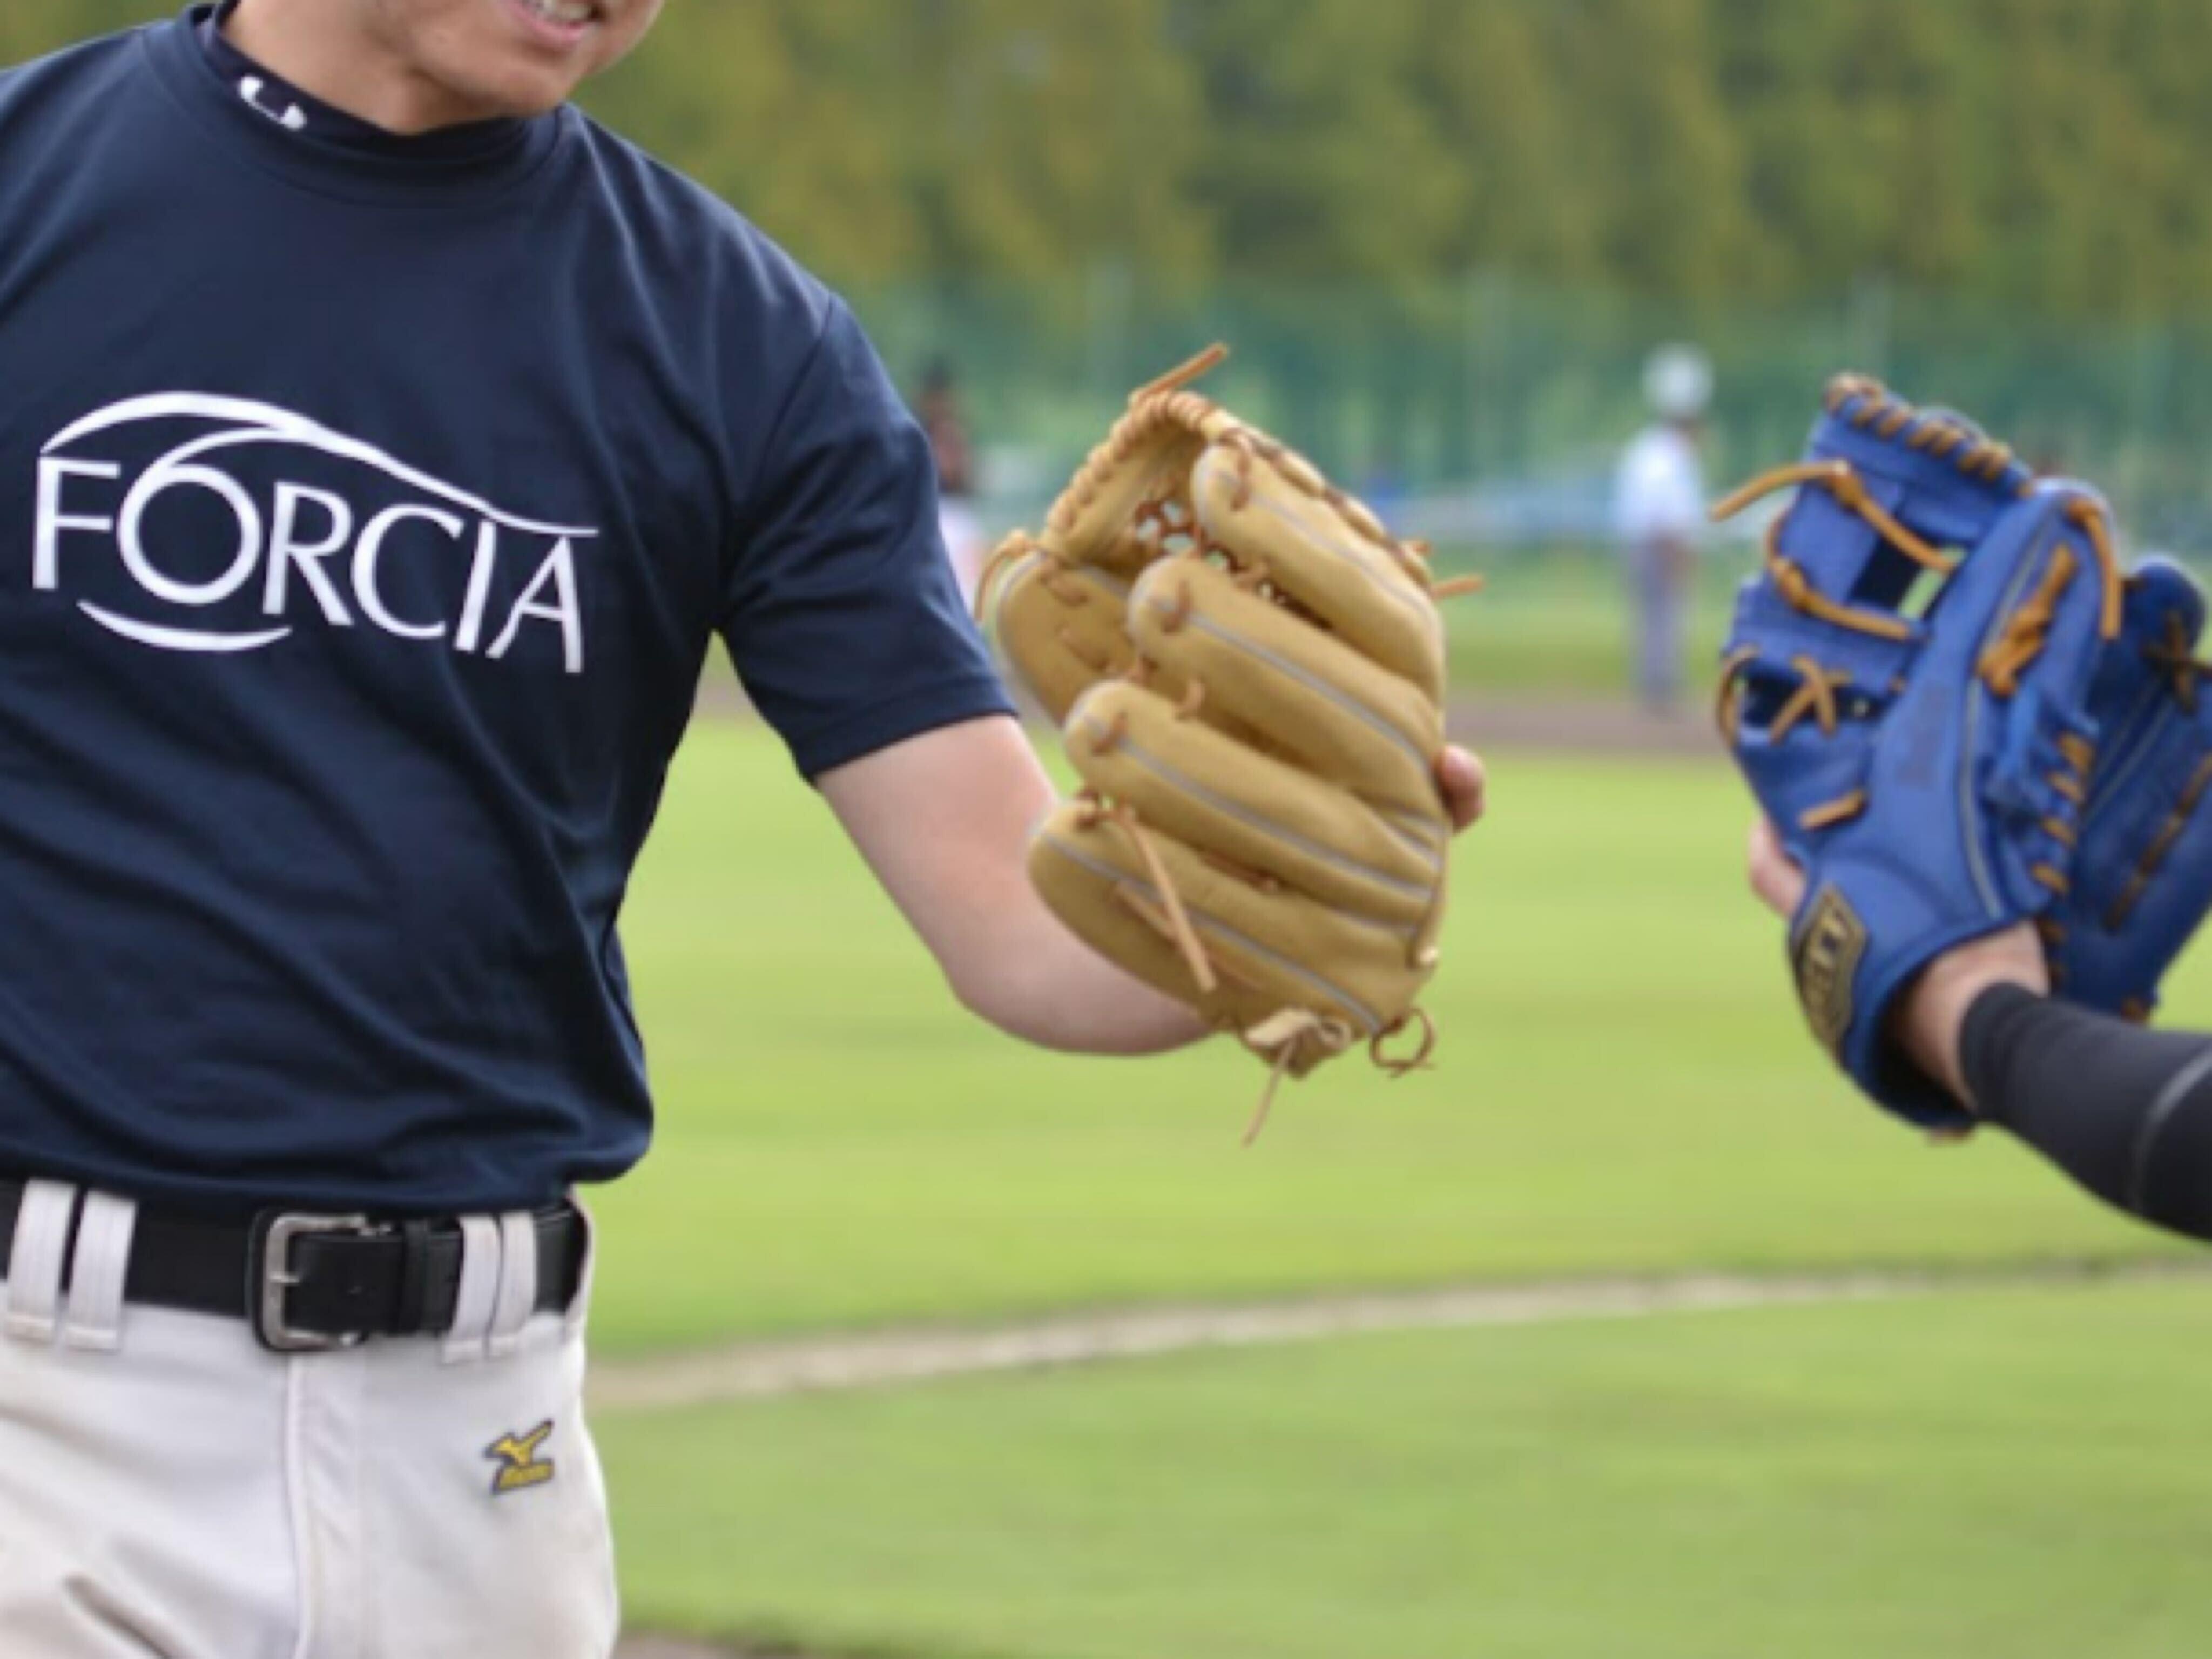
{"type": "Point", "coordinates": [300, 113]}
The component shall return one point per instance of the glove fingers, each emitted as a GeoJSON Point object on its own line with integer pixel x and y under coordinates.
{"type": "Point", "coordinates": [2147, 688]}
{"type": "Point", "coordinates": [1131, 745]}
{"type": "Point", "coordinates": [2165, 606]}
{"type": "Point", "coordinates": [2038, 559]}
{"type": "Point", "coordinates": [1314, 698]}
{"type": "Point", "coordinates": [1061, 627]}
{"type": "Point", "coordinates": [1261, 944]}
{"type": "Point", "coordinates": [2142, 876]}
{"type": "Point", "coordinates": [1275, 513]}
{"type": "Point", "coordinates": [1122, 507]}
{"type": "Point", "coordinates": [1897, 485]}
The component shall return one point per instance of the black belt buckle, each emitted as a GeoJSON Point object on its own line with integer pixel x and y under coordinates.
{"type": "Point", "coordinates": [269, 1277]}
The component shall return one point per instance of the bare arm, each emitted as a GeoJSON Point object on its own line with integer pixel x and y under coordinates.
{"type": "Point", "coordinates": [944, 820]}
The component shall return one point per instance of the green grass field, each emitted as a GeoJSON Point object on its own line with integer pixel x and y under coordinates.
{"type": "Point", "coordinates": [1556, 622]}
{"type": "Point", "coordinates": [1624, 1087]}
{"type": "Point", "coordinates": [1624, 1082]}
{"type": "Point", "coordinates": [2007, 1474]}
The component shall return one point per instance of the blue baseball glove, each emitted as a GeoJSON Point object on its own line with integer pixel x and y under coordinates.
{"type": "Point", "coordinates": [1906, 690]}
{"type": "Point", "coordinates": [2142, 874]}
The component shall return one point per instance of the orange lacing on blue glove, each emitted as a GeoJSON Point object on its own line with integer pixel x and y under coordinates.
{"type": "Point", "coordinates": [2175, 656]}
{"type": "Point", "coordinates": [1946, 438]}
{"type": "Point", "coordinates": [1943, 436]}
{"type": "Point", "coordinates": [2077, 758]}
{"type": "Point", "coordinates": [2027, 629]}
{"type": "Point", "coordinates": [1815, 696]}
{"type": "Point", "coordinates": [1790, 580]}
{"type": "Point", "coordinates": [2154, 855]}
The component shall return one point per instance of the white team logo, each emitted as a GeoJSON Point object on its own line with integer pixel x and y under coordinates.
{"type": "Point", "coordinates": [291, 117]}
{"type": "Point", "coordinates": [298, 547]}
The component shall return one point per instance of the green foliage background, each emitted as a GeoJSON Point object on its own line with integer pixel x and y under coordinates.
{"type": "Point", "coordinates": [2039, 153]}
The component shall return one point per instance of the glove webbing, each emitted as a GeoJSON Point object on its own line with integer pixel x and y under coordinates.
{"type": "Point", "coordinates": [2025, 630]}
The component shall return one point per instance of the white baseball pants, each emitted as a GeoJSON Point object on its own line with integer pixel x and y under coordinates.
{"type": "Point", "coordinates": [170, 1489]}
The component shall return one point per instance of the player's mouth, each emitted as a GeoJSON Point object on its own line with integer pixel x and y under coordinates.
{"type": "Point", "coordinates": [559, 23]}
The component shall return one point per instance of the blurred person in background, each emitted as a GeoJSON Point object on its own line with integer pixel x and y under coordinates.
{"type": "Point", "coordinates": [938, 409]}
{"type": "Point", "coordinates": [1659, 515]}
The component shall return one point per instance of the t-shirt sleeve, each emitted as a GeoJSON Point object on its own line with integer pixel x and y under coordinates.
{"type": "Point", "coordinates": [842, 613]}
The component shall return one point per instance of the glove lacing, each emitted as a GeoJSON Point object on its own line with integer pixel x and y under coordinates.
{"type": "Point", "coordinates": [1947, 438]}
{"type": "Point", "coordinates": [2154, 855]}
{"type": "Point", "coordinates": [1166, 520]}
{"type": "Point", "coordinates": [1287, 1034]}
{"type": "Point", "coordinates": [2026, 631]}
{"type": "Point", "coordinates": [2175, 657]}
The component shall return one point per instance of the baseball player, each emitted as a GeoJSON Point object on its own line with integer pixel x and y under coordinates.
{"type": "Point", "coordinates": [383, 447]}
{"type": "Point", "coordinates": [1659, 516]}
{"type": "Point", "coordinates": [938, 409]}
{"type": "Point", "coordinates": [1981, 753]}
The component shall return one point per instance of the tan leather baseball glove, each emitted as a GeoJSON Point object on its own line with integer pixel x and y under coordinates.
{"type": "Point", "coordinates": [1249, 669]}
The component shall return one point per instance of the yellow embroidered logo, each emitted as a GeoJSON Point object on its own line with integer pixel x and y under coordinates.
{"type": "Point", "coordinates": [521, 1468]}
{"type": "Point", "coordinates": [1827, 952]}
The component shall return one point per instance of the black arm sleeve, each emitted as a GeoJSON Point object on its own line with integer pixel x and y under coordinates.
{"type": "Point", "coordinates": [2126, 1112]}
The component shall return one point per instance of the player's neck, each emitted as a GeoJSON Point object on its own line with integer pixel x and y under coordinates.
{"type": "Point", "coordinates": [349, 69]}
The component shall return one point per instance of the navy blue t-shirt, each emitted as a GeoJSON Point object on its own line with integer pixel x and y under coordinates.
{"type": "Point", "coordinates": [368, 508]}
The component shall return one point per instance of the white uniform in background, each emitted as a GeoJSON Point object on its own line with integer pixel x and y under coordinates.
{"type": "Point", "coordinates": [1659, 515]}
{"type": "Point", "coordinates": [965, 542]}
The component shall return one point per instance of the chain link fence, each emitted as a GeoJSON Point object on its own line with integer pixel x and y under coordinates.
{"type": "Point", "coordinates": [1488, 414]}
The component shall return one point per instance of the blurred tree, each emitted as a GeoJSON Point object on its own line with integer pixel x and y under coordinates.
{"type": "Point", "coordinates": [1487, 78]}
{"type": "Point", "coordinates": [789, 112]}
{"type": "Point", "coordinates": [1047, 138]}
{"type": "Point", "coordinates": [26, 31]}
{"type": "Point", "coordinates": [1855, 123]}
{"type": "Point", "coordinates": [1315, 161]}
{"type": "Point", "coordinates": [1653, 140]}
{"type": "Point", "coordinates": [2042, 154]}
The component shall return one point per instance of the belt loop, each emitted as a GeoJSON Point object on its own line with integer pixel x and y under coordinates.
{"type": "Point", "coordinates": [579, 1305]}
{"type": "Point", "coordinates": [98, 1267]}
{"type": "Point", "coordinates": [478, 1292]}
{"type": "Point", "coordinates": [36, 1261]}
{"type": "Point", "coordinates": [518, 1283]}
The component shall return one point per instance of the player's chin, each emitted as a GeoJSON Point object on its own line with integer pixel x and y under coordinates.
{"type": "Point", "coordinates": [547, 48]}
{"type": "Point", "coordinates": [520, 92]}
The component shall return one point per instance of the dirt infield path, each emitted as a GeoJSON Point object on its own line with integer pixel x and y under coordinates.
{"type": "Point", "coordinates": [769, 1370]}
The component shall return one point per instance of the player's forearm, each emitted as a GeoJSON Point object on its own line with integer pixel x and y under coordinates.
{"type": "Point", "coordinates": [1039, 982]}
{"type": "Point", "coordinates": [944, 821]}
{"type": "Point", "coordinates": [1931, 1015]}
{"type": "Point", "coordinates": [2127, 1113]}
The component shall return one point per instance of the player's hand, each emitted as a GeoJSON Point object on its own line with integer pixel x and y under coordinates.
{"type": "Point", "coordinates": [1466, 786]}
{"type": "Point", "coordinates": [1932, 1014]}
{"type": "Point", "coordinates": [1779, 882]}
